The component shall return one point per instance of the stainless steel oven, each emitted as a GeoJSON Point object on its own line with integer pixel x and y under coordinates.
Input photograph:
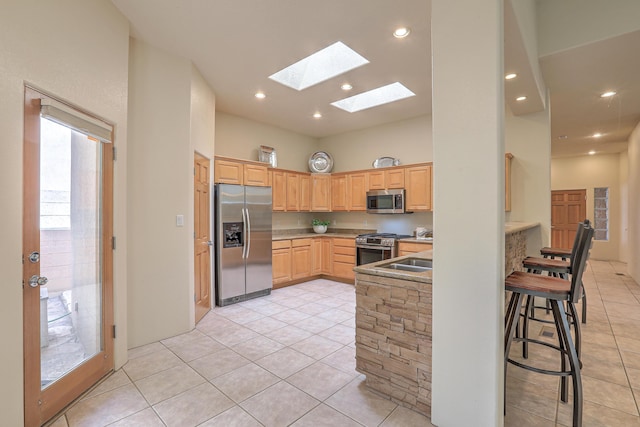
{"type": "Point", "coordinates": [376, 247]}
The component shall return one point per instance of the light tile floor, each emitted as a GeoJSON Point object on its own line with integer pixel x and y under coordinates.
{"type": "Point", "coordinates": [288, 359]}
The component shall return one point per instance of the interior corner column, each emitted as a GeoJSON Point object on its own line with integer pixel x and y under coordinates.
{"type": "Point", "coordinates": [468, 156]}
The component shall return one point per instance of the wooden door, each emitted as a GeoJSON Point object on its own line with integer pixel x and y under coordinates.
{"type": "Point", "coordinates": [568, 208]}
{"type": "Point", "coordinates": [316, 254]}
{"type": "Point", "coordinates": [327, 261]}
{"type": "Point", "coordinates": [256, 175]}
{"type": "Point", "coordinates": [300, 258]}
{"type": "Point", "coordinates": [228, 172]}
{"type": "Point", "coordinates": [68, 259]}
{"type": "Point", "coordinates": [377, 180]}
{"type": "Point", "coordinates": [281, 261]}
{"type": "Point", "coordinates": [394, 178]}
{"type": "Point", "coordinates": [201, 224]}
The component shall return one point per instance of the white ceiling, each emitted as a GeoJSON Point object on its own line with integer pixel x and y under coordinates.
{"type": "Point", "coordinates": [237, 44]}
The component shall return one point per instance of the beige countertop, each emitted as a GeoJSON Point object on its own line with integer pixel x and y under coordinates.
{"type": "Point", "coordinates": [415, 240]}
{"type": "Point", "coordinates": [514, 227]}
{"type": "Point", "coordinates": [376, 269]}
{"type": "Point", "coordinates": [310, 235]}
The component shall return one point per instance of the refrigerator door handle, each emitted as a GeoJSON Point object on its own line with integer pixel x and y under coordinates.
{"type": "Point", "coordinates": [244, 233]}
{"type": "Point", "coordinates": [248, 239]}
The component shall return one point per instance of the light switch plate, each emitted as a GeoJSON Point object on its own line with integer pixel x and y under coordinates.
{"type": "Point", "coordinates": [179, 220]}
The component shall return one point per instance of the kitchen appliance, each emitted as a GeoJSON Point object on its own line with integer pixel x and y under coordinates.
{"type": "Point", "coordinates": [375, 247]}
{"type": "Point", "coordinates": [385, 201]}
{"type": "Point", "coordinates": [242, 242]}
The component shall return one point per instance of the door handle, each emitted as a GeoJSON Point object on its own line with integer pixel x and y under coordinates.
{"type": "Point", "coordinates": [248, 233]}
{"type": "Point", "coordinates": [35, 281]}
{"type": "Point", "coordinates": [209, 243]}
{"type": "Point", "coordinates": [244, 232]}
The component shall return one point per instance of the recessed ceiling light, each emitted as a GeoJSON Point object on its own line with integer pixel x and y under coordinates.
{"type": "Point", "coordinates": [346, 87]}
{"type": "Point", "coordinates": [592, 152]}
{"type": "Point", "coordinates": [511, 76]}
{"type": "Point", "coordinates": [597, 135]}
{"type": "Point", "coordinates": [260, 95]}
{"type": "Point", "coordinates": [320, 66]}
{"type": "Point", "coordinates": [382, 95]}
{"type": "Point", "coordinates": [521, 98]}
{"type": "Point", "coordinates": [563, 137]}
{"type": "Point", "coordinates": [401, 32]}
{"type": "Point", "coordinates": [608, 94]}
{"type": "Point", "coordinates": [317, 115]}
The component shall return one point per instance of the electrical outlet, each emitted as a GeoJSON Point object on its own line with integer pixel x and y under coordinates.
{"type": "Point", "coordinates": [335, 222]}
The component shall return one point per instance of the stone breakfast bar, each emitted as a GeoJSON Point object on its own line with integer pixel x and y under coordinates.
{"type": "Point", "coordinates": [393, 323]}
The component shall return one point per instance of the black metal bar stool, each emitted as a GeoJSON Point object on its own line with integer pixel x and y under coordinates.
{"type": "Point", "coordinates": [559, 292]}
{"type": "Point", "coordinates": [558, 268]}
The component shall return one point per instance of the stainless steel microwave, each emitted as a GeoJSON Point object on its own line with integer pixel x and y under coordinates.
{"type": "Point", "coordinates": [386, 201]}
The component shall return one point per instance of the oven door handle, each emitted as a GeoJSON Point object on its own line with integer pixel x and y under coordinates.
{"type": "Point", "coordinates": [379, 248]}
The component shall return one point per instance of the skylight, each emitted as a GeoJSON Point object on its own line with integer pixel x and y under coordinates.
{"type": "Point", "coordinates": [382, 95]}
{"type": "Point", "coordinates": [320, 66]}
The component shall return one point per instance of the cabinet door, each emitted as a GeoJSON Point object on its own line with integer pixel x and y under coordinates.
{"type": "Point", "coordinates": [418, 185]}
{"type": "Point", "coordinates": [226, 172]}
{"type": "Point", "coordinates": [278, 190]}
{"type": "Point", "coordinates": [327, 262]}
{"type": "Point", "coordinates": [316, 256]}
{"type": "Point", "coordinates": [293, 192]}
{"type": "Point", "coordinates": [320, 192]}
{"type": "Point", "coordinates": [394, 178]}
{"type": "Point", "coordinates": [357, 193]}
{"type": "Point", "coordinates": [377, 180]}
{"type": "Point", "coordinates": [281, 261]}
{"type": "Point", "coordinates": [256, 175]}
{"type": "Point", "coordinates": [338, 192]}
{"type": "Point", "coordinates": [305, 191]}
{"type": "Point", "coordinates": [300, 258]}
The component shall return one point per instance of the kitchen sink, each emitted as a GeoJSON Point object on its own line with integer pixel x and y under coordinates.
{"type": "Point", "coordinates": [410, 264]}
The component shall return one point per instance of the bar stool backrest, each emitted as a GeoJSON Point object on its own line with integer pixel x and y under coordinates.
{"type": "Point", "coordinates": [579, 262]}
{"type": "Point", "coordinates": [579, 231]}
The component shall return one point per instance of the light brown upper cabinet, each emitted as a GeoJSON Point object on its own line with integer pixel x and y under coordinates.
{"type": "Point", "coordinates": [339, 192]}
{"type": "Point", "coordinates": [320, 192]}
{"type": "Point", "coordinates": [293, 191]}
{"type": "Point", "coordinates": [419, 188]}
{"type": "Point", "coordinates": [384, 179]}
{"type": "Point", "coordinates": [278, 190]}
{"type": "Point", "coordinates": [305, 191]}
{"type": "Point", "coordinates": [230, 171]}
{"type": "Point", "coordinates": [357, 191]}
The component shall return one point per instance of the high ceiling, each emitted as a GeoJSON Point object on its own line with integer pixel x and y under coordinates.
{"type": "Point", "coordinates": [237, 44]}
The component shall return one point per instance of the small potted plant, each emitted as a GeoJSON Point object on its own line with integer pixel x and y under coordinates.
{"type": "Point", "coordinates": [320, 226]}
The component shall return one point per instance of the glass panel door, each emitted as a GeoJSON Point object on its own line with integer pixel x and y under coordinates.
{"type": "Point", "coordinates": [70, 250]}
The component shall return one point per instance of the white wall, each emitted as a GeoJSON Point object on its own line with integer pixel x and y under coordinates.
{"type": "Point", "coordinates": [77, 51]}
{"type": "Point", "coordinates": [528, 138]}
{"type": "Point", "coordinates": [633, 262]}
{"type": "Point", "coordinates": [624, 206]}
{"type": "Point", "coordinates": [160, 290]}
{"type": "Point", "coordinates": [408, 140]}
{"type": "Point", "coordinates": [589, 172]}
{"type": "Point", "coordinates": [241, 138]}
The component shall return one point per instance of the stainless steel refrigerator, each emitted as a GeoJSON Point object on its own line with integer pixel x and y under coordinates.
{"type": "Point", "coordinates": [242, 218]}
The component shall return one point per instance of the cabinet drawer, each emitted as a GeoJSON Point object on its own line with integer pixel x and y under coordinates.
{"type": "Point", "coordinates": [281, 244]}
{"type": "Point", "coordinates": [338, 241]}
{"type": "Point", "coordinates": [344, 251]}
{"type": "Point", "coordinates": [349, 259]}
{"type": "Point", "coordinates": [343, 270]}
{"type": "Point", "coordinates": [409, 247]}
{"type": "Point", "coordinates": [295, 243]}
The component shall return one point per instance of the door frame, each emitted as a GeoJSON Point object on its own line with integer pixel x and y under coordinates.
{"type": "Point", "coordinates": [42, 405]}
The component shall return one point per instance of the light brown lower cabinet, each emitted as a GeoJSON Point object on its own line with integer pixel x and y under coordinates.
{"type": "Point", "coordinates": [297, 259]}
{"type": "Point", "coordinates": [281, 261]}
{"type": "Point", "coordinates": [408, 248]}
{"type": "Point", "coordinates": [344, 257]}
{"type": "Point", "coordinates": [300, 258]}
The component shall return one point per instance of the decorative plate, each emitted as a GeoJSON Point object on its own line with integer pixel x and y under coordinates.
{"type": "Point", "coordinates": [320, 162]}
{"type": "Point", "coordinates": [385, 162]}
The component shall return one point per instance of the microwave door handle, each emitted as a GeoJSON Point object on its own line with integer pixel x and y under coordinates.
{"type": "Point", "coordinates": [248, 239]}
